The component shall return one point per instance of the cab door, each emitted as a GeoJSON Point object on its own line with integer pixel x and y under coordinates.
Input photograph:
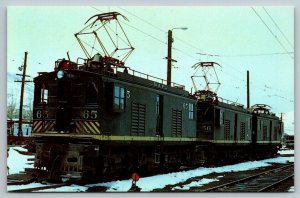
{"type": "Point", "coordinates": [63, 107]}
{"type": "Point", "coordinates": [235, 127]}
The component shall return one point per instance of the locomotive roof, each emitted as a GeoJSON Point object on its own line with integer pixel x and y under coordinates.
{"type": "Point", "coordinates": [179, 90]}
{"type": "Point", "coordinates": [143, 79]}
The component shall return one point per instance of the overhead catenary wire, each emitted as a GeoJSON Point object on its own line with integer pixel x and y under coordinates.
{"type": "Point", "coordinates": [143, 32]}
{"type": "Point", "coordinates": [153, 37]}
{"type": "Point", "coordinates": [273, 92]}
{"type": "Point", "coordinates": [198, 49]}
{"type": "Point", "coordinates": [274, 35]}
{"type": "Point", "coordinates": [259, 54]}
{"type": "Point", "coordinates": [145, 21]}
{"type": "Point", "coordinates": [163, 31]}
{"type": "Point", "coordinates": [191, 45]}
{"type": "Point", "coordinates": [160, 29]}
{"type": "Point", "coordinates": [292, 46]}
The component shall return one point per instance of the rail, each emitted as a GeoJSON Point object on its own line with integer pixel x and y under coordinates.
{"type": "Point", "coordinates": [276, 183]}
{"type": "Point", "coordinates": [10, 183]}
{"type": "Point", "coordinates": [267, 182]}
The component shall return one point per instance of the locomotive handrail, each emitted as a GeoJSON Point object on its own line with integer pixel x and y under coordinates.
{"type": "Point", "coordinates": [148, 77]}
{"type": "Point", "coordinates": [230, 102]}
{"type": "Point", "coordinates": [124, 69]}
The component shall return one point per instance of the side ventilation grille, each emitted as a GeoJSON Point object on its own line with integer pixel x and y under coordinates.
{"type": "Point", "coordinates": [138, 115]}
{"type": "Point", "coordinates": [176, 123]}
{"type": "Point", "coordinates": [265, 128]}
{"type": "Point", "coordinates": [227, 130]}
{"type": "Point", "coordinates": [242, 127]}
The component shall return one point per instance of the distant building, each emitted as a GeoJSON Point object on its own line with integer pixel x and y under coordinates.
{"type": "Point", "coordinates": [13, 128]}
{"type": "Point", "coordinates": [288, 141]}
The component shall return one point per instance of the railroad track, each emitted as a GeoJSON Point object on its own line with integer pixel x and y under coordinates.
{"type": "Point", "coordinates": [10, 183]}
{"type": "Point", "coordinates": [257, 183]}
{"type": "Point", "coordinates": [41, 188]}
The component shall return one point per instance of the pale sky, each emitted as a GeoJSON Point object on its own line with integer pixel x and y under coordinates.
{"type": "Point", "coordinates": [242, 41]}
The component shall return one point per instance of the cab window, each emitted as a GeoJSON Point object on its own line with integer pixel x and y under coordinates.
{"type": "Point", "coordinates": [119, 99]}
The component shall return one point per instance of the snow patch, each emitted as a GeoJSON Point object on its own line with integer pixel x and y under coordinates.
{"type": "Point", "coordinates": [160, 181]}
{"type": "Point", "coordinates": [292, 189]}
{"type": "Point", "coordinates": [198, 183]}
{"type": "Point", "coordinates": [115, 185]}
{"type": "Point", "coordinates": [285, 152]}
{"type": "Point", "coordinates": [25, 186]}
{"type": "Point", "coordinates": [71, 188]}
{"type": "Point", "coordinates": [17, 162]}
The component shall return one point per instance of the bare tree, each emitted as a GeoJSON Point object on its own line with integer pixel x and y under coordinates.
{"type": "Point", "coordinates": [28, 111]}
{"type": "Point", "coordinates": [11, 107]}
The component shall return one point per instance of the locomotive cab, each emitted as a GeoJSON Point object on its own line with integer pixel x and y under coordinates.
{"type": "Point", "coordinates": [65, 96]}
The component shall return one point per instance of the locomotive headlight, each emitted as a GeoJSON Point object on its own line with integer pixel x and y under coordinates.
{"type": "Point", "coordinates": [60, 74]}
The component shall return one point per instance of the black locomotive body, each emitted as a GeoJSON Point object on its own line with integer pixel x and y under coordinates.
{"type": "Point", "coordinates": [227, 131]}
{"type": "Point", "coordinates": [98, 118]}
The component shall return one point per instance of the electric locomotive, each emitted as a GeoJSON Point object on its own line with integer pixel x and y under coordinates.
{"type": "Point", "coordinates": [227, 131]}
{"type": "Point", "coordinates": [101, 117]}
{"type": "Point", "coordinates": [107, 115]}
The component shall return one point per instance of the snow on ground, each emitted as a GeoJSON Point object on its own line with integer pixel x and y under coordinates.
{"type": "Point", "coordinates": [292, 189]}
{"type": "Point", "coordinates": [25, 186]}
{"type": "Point", "coordinates": [160, 181]}
{"type": "Point", "coordinates": [16, 162]}
{"type": "Point", "coordinates": [285, 152]}
{"type": "Point", "coordinates": [198, 183]}
{"type": "Point", "coordinates": [72, 188]}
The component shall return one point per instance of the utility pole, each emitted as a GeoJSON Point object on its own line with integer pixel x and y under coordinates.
{"type": "Point", "coordinates": [169, 57]}
{"type": "Point", "coordinates": [281, 116]}
{"type": "Point", "coordinates": [248, 91]}
{"type": "Point", "coordinates": [23, 81]}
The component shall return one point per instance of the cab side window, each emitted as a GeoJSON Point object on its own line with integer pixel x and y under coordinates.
{"type": "Point", "coordinates": [119, 99]}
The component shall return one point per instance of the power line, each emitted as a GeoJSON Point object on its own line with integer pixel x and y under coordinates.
{"type": "Point", "coordinates": [145, 33]}
{"type": "Point", "coordinates": [278, 28]}
{"type": "Point", "coordinates": [183, 52]}
{"type": "Point", "coordinates": [192, 46]}
{"type": "Point", "coordinates": [145, 21]}
{"type": "Point", "coordinates": [163, 31]}
{"type": "Point", "coordinates": [186, 43]}
{"type": "Point", "coordinates": [153, 37]}
{"type": "Point", "coordinates": [271, 32]}
{"type": "Point", "coordinates": [160, 29]}
{"type": "Point", "coordinates": [272, 92]}
{"type": "Point", "coordinates": [229, 65]}
{"type": "Point", "coordinates": [261, 54]}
